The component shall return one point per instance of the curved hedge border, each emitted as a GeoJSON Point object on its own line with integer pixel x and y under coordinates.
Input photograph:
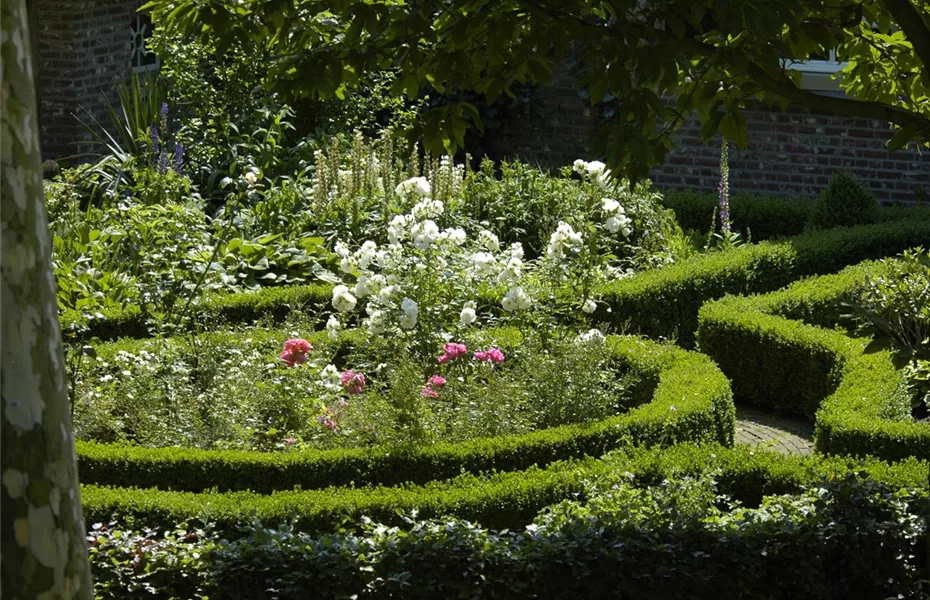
{"type": "Point", "coordinates": [691, 401]}
{"type": "Point", "coordinates": [500, 500]}
{"type": "Point", "coordinates": [775, 358]}
{"type": "Point", "coordinates": [662, 303]}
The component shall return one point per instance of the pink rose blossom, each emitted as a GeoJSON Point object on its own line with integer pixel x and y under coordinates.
{"type": "Point", "coordinates": [493, 355]}
{"type": "Point", "coordinates": [452, 350]}
{"type": "Point", "coordinates": [352, 382]}
{"type": "Point", "coordinates": [295, 351]}
{"type": "Point", "coordinates": [290, 441]}
{"type": "Point", "coordinates": [428, 392]}
{"type": "Point", "coordinates": [327, 421]}
{"type": "Point", "coordinates": [443, 359]}
{"type": "Point", "coordinates": [436, 382]}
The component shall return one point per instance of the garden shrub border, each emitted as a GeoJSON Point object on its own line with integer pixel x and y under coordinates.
{"type": "Point", "coordinates": [661, 303]}
{"type": "Point", "coordinates": [776, 350]}
{"type": "Point", "coordinates": [499, 500]}
{"type": "Point", "coordinates": [691, 401]}
{"type": "Point", "coordinates": [766, 217]}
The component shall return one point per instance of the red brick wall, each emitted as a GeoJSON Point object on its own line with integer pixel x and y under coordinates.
{"type": "Point", "coordinates": [83, 48]}
{"type": "Point", "coordinates": [790, 153]}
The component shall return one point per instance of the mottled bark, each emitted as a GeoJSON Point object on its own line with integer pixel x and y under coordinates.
{"type": "Point", "coordinates": [43, 550]}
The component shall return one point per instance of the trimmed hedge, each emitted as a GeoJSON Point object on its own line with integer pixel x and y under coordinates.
{"type": "Point", "coordinates": [777, 352]}
{"type": "Point", "coordinates": [766, 217]}
{"type": "Point", "coordinates": [498, 500]}
{"type": "Point", "coordinates": [664, 303]}
{"type": "Point", "coordinates": [690, 401]}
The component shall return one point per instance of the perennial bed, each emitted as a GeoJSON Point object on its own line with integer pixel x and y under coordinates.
{"type": "Point", "coordinates": [688, 399]}
{"type": "Point", "coordinates": [660, 303]}
{"type": "Point", "coordinates": [777, 352]}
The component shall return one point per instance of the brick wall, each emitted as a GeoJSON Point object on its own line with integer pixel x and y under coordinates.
{"type": "Point", "coordinates": [83, 48]}
{"type": "Point", "coordinates": [791, 153]}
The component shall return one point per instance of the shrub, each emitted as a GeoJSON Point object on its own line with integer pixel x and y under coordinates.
{"type": "Point", "coordinates": [844, 203]}
{"type": "Point", "coordinates": [645, 522]}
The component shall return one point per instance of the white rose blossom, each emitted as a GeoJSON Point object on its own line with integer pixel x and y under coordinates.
{"type": "Point", "coordinates": [424, 234]}
{"type": "Point", "coordinates": [489, 240]}
{"type": "Point", "coordinates": [397, 229]}
{"type": "Point", "coordinates": [333, 327]}
{"type": "Point", "coordinates": [468, 316]}
{"type": "Point", "coordinates": [427, 209]}
{"type": "Point", "coordinates": [516, 299]}
{"type": "Point", "coordinates": [343, 301]}
{"type": "Point", "coordinates": [592, 336]}
{"type": "Point", "coordinates": [563, 242]}
{"type": "Point", "coordinates": [410, 309]}
{"type": "Point", "coordinates": [589, 306]}
{"type": "Point", "coordinates": [331, 377]}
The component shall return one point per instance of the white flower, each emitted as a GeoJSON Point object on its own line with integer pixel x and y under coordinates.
{"type": "Point", "coordinates": [363, 286]}
{"type": "Point", "coordinates": [342, 249]}
{"type": "Point", "coordinates": [595, 168]}
{"type": "Point", "coordinates": [609, 205]}
{"type": "Point", "coordinates": [512, 272]}
{"type": "Point", "coordinates": [455, 236]}
{"type": "Point", "coordinates": [618, 222]}
{"type": "Point", "coordinates": [516, 299]}
{"type": "Point", "coordinates": [389, 257]}
{"type": "Point", "coordinates": [579, 166]}
{"type": "Point", "coordinates": [384, 296]}
{"type": "Point", "coordinates": [483, 264]}
{"type": "Point", "coordinates": [589, 306]}
{"type": "Point", "coordinates": [592, 336]}
{"type": "Point", "coordinates": [563, 241]}
{"type": "Point", "coordinates": [424, 234]}
{"type": "Point", "coordinates": [331, 377]}
{"type": "Point", "coordinates": [417, 186]}
{"type": "Point", "coordinates": [366, 254]}
{"type": "Point", "coordinates": [333, 326]}
{"type": "Point", "coordinates": [516, 250]}
{"type": "Point", "coordinates": [250, 177]}
{"type": "Point", "coordinates": [489, 240]}
{"type": "Point", "coordinates": [468, 316]}
{"type": "Point", "coordinates": [343, 301]}
{"type": "Point", "coordinates": [427, 209]}
{"type": "Point", "coordinates": [377, 322]}
{"type": "Point", "coordinates": [411, 310]}
{"type": "Point", "coordinates": [348, 265]}
{"type": "Point", "coordinates": [397, 229]}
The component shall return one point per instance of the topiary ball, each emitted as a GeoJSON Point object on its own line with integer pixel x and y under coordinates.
{"type": "Point", "coordinates": [845, 202]}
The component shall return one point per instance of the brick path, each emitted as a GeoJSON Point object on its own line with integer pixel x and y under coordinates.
{"type": "Point", "coordinates": [788, 435]}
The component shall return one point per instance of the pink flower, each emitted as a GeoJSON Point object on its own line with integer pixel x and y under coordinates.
{"type": "Point", "coordinates": [493, 355]}
{"type": "Point", "coordinates": [327, 421]}
{"type": "Point", "coordinates": [443, 359]}
{"type": "Point", "coordinates": [342, 403]}
{"type": "Point", "coordinates": [436, 382]}
{"type": "Point", "coordinates": [455, 350]}
{"type": "Point", "coordinates": [352, 382]}
{"type": "Point", "coordinates": [290, 441]}
{"type": "Point", "coordinates": [428, 392]}
{"type": "Point", "coordinates": [295, 351]}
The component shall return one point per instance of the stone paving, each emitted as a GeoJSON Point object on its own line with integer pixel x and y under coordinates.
{"type": "Point", "coordinates": [788, 435]}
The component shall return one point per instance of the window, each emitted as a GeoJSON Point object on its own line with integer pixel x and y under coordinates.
{"type": "Point", "coordinates": [817, 71]}
{"type": "Point", "coordinates": [140, 59]}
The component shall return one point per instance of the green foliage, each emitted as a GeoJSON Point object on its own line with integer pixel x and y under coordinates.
{"type": "Point", "coordinates": [766, 217]}
{"type": "Point", "coordinates": [634, 53]}
{"type": "Point", "coordinates": [845, 202]}
{"type": "Point", "coordinates": [676, 510]}
{"type": "Point", "coordinates": [690, 400]}
{"type": "Point", "coordinates": [776, 359]}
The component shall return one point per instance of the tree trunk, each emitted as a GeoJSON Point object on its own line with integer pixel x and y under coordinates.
{"type": "Point", "coordinates": [43, 549]}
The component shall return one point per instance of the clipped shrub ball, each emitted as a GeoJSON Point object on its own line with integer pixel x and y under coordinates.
{"type": "Point", "coordinates": [845, 202]}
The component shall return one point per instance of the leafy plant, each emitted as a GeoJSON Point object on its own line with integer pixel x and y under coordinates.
{"type": "Point", "coordinates": [845, 202]}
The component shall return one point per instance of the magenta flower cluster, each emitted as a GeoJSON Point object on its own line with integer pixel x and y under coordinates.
{"type": "Point", "coordinates": [453, 351]}
{"type": "Point", "coordinates": [352, 382]}
{"type": "Point", "coordinates": [432, 387]}
{"type": "Point", "coordinates": [295, 351]}
{"type": "Point", "coordinates": [493, 355]}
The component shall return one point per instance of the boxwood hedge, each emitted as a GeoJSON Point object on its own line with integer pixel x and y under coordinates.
{"type": "Point", "coordinates": [500, 500]}
{"type": "Point", "coordinates": [777, 351]}
{"type": "Point", "coordinates": [689, 399]}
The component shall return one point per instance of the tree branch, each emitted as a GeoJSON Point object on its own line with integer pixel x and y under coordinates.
{"type": "Point", "coordinates": [914, 27]}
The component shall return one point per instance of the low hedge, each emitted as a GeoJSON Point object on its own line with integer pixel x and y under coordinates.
{"type": "Point", "coordinates": [664, 303]}
{"type": "Point", "coordinates": [777, 352]}
{"type": "Point", "coordinates": [500, 500]}
{"type": "Point", "coordinates": [766, 217]}
{"type": "Point", "coordinates": [690, 401]}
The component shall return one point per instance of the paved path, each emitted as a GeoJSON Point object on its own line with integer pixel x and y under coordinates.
{"type": "Point", "coordinates": [788, 435]}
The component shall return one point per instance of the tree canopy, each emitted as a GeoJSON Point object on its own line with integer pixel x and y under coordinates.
{"type": "Point", "coordinates": [658, 60]}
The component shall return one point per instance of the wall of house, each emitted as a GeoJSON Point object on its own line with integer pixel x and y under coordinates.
{"type": "Point", "coordinates": [83, 48]}
{"type": "Point", "coordinates": [790, 153]}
